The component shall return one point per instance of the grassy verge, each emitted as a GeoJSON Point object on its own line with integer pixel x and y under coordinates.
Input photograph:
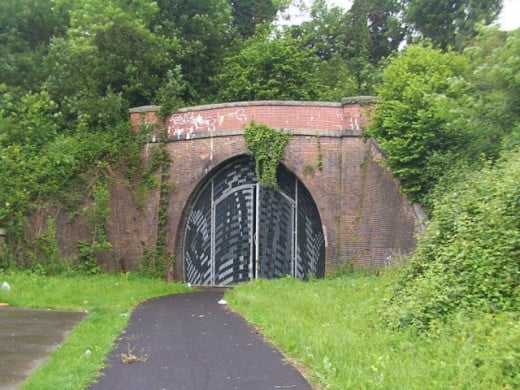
{"type": "Point", "coordinates": [108, 299]}
{"type": "Point", "coordinates": [333, 327]}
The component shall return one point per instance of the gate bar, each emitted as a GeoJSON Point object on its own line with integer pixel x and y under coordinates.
{"type": "Point", "coordinates": [212, 235]}
{"type": "Point", "coordinates": [256, 241]}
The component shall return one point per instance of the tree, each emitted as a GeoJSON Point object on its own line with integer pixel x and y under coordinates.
{"type": "Point", "coordinates": [325, 32]}
{"type": "Point", "coordinates": [489, 110]}
{"type": "Point", "coordinates": [361, 37]}
{"type": "Point", "coordinates": [26, 28]}
{"type": "Point", "coordinates": [247, 14]}
{"type": "Point", "coordinates": [274, 68]}
{"type": "Point", "coordinates": [440, 109]}
{"type": "Point", "coordinates": [204, 32]}
{"type": "Point", "coordinates": [450, 22]}
{"type": "Point", "coordinates": [410, 121]}
{"type": "Point", "coordinates": [375, 29]}
{"type": "Point", "coordinates": [108, 61]}
{"type": "Point", "coordinates": [496, 63]}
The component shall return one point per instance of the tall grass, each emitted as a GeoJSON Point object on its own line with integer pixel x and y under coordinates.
{"type": "Point", "coordinates": [333, 328]}
{"type": "Point", "coordinates": [108, 300]}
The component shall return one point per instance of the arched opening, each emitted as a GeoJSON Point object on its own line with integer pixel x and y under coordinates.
{"type": "Point", "coordinates": [238, 230]}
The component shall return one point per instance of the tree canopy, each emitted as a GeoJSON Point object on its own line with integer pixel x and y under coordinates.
{"type": "Point", "coordinates": [270, 69]}
{"type": "Point", "coordinates": [409, 122]}
{"type": "Point", "coordinates": [450, 22]}
{"type": "Point", "coordinates": [441, 109]}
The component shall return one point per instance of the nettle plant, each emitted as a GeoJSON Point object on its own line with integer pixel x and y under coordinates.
{"type": "Point", "coordinates": [267, 145]}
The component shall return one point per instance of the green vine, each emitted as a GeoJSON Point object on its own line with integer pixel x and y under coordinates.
{"type": "Point", "coordinates": [90, 250]}
{"type": "Point", "coordinates": [157, 174]}
{"type": "Point", "coordinates": [319, 163]}
{"type": "Point", "coordinates": [267, 146]}
{"type": "Point", "coordinates": [43, 252]}
{"type": "Point", "coordinates": [163, 257]}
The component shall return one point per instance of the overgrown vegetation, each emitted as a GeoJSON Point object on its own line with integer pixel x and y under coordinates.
{"type": "Point", "coordinates": [333, 328]}
{"type": "Point", "coordinates": [468, 260]}
{"type": "Point", "coordinates": [454, 144]}
{"type": "Point", "coordinates": [155, 175]}
{"type": "Point", "coordinates": [96, 217]}
{"type": "Point", "coordinates": [61, 172]}
{"type": "Point", "coordinates": [267, 145]}
{"type": "Point", "coordinates": [447, 111]}
{"type": "Point", "coordinates": [70, 70]}
{"type": "Point", "coordinates": [163, 258]}
{"type": "Point", "coordinates": [44, 254]}
{"type": "Point", "coordinates": [448, 120]}
{"type": "Point", "coordinates": [409, 121]}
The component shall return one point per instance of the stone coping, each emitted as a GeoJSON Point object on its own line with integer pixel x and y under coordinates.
{"type": "Point", "coordinates": [361, 100]}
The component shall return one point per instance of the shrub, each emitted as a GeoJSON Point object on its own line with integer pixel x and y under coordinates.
{"type": "Point", "coordinates": [469, 257]}
{"type": "Point", "coordinates": [418, 89]}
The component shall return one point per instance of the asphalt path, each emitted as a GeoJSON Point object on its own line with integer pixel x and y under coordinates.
{"type": "Point", "coordinates": [191, 342]}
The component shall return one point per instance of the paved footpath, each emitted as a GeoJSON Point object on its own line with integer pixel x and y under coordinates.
{"type": "Point", "coordinates": [190, 342]}
{"type": "Point", "coordinates": [27, 336]}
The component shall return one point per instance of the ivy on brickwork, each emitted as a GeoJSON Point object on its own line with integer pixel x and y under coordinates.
{"type": "Point", "coordinates": [43, 252]}
{"type": "Point", "coordinates": [310, 169]}
{"type": "Point", "coordinates": [147, 175]}
{"type": "Point", "coordinates": [319, 163]}
{"type": "Point", "coordinates": [89, 250]}
{"type": "Point", "coordinates": [163, 257]}
{"type": "Point", "coordinates": [267, 146]}
{"type": "Point", "coordinates": [155, 262]}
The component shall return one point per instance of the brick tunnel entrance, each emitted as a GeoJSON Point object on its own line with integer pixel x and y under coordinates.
{"type": "Point", "coordinates": [238, 230]}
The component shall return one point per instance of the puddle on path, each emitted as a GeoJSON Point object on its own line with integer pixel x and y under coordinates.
{"type": "Point", "coordinates": [27, 336]}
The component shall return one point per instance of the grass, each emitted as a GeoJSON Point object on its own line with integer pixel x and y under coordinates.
{"type": "Point", "coordinates": [108, 299]}
{"type": "Point", "coordinates": [333, 327]}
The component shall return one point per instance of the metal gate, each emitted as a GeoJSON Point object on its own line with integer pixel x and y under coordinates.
{"type": "Point", "coordinates": [238, 230]}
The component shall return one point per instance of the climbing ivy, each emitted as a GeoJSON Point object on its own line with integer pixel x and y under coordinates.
{"type": "Point", "coordinates": [90, 250]}
{"type": "Point", "coordinates": [163, 258]}
{"type": "Point", "coordinates": [43, 252]}
{"type": "Point", "coordinates": [267, 146]}
{"type": "Point", "coordinates": [156, 176]}
{"type": "Point", "coordinates": [319, 163]}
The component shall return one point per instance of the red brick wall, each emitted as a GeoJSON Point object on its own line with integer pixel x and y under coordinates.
{"type": "Point", "coordinates": [189, 123]}
{"type": "Point", "coordinates": [365, 218]}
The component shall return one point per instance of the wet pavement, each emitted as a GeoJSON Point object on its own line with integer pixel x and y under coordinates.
{"type": "Point", "coordinates": [27, 336]}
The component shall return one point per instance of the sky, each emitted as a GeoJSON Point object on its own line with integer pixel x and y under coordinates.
{"type": "Point", "coordinates": [509, 19]}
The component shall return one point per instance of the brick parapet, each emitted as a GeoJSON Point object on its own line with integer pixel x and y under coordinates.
{"type": "Point", "coordinates": [221, 119]}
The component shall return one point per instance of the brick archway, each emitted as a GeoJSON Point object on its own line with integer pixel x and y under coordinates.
{"type": "Point", "coordinates": [365, 219]}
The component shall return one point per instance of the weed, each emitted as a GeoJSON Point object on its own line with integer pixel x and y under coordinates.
{"type": "Point", "coordinates": [129, 357]}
